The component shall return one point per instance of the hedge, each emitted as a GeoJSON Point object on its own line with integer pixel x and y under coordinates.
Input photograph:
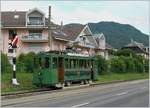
{"type": "Point", "coordinates": [5, 65]}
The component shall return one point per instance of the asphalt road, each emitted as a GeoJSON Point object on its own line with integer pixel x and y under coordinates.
{"type": "Point", "coordinates": [125, 94]}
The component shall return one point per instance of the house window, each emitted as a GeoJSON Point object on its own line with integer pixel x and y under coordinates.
{"type": "Point", "coordinates": [35, 20]}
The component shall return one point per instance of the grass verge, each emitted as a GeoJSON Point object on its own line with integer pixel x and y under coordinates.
{"type": "Point", "coordinates": [25, 80]}
{"type": "Point", "coordinates": [123, 76]}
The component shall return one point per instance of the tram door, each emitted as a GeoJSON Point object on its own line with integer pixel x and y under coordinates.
{"type": "Point", "coordinates": [61, 69]}
{"type": "Point", "coordinates": [92, 70]}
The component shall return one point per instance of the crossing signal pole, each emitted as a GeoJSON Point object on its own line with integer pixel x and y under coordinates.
{"type": "Point", "coordinates": [14, 47]}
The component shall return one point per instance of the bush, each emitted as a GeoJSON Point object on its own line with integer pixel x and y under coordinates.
{"type": "Point", "coordinates": [117, 65]}
{"type": "Point", "coordinates": [146, 66]}
{"type": "Point", "coordinates": [5, 65]}
{"type": "Point", "coordinates": [102, 65]}
{"type": "Point", "coordinates": [139, 66]}
{"type": "Point", "coordinates": [129, 64]}
{"type": "Point", "coordinates": [25, 62]}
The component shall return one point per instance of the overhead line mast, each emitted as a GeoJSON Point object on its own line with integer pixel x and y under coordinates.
{"type": "Point", "coordinates": [49, 30]}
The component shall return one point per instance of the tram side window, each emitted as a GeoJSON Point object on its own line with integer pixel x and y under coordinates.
{"type": "Point", "coordinates": [72, 63]}
{"type": "Point", "coordinates": [88, 64]}
{"type": "Point", "coordinates": [84, 64]}
{"type": "Point", "coordinates": [46, 62]}
{"type": "Point", "coordinates": [66, 63]}
{"type": "Point", "coordinates": [81, 65]}
{"type": "Point", "coordinates": [75, 63]}
{"type": "Point", "coordinates": [55, 63]}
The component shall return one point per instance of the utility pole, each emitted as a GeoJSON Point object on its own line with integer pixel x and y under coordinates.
{"type": "Point", "coordinates": [49, 30]}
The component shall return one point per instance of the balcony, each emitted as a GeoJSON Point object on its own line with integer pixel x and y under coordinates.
{"type": "Point", "coordinates": [85, 44]}
{"type": "Point", "coordinates": [34, 38]}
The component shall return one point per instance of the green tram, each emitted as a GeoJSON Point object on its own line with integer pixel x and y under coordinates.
{"type": "Point", "coordinates": [58, 70]}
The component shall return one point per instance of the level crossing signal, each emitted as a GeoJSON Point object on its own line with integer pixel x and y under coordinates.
{"type": "Point", "coordinates": [13, 43]}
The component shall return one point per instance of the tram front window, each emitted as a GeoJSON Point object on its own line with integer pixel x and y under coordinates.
{"type": "Point", "coordinates": [54, 62]}
{"type": "Point", "coordinates": [46, 65]}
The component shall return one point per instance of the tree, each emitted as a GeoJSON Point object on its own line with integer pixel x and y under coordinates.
{"type": "Point", "coordinates": [125, 52]}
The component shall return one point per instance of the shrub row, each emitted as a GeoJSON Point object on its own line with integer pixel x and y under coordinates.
{"type": "Point", "coordinates": [124, 61]}
{"type": "Point", "coordinates": [24, 63]}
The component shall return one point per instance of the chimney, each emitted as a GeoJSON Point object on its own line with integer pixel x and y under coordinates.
{"type": "Point", "coordinates": [61, 26]}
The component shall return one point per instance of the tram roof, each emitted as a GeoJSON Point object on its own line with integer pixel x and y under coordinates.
{"type": "Point", "coordinates": [64, 54]}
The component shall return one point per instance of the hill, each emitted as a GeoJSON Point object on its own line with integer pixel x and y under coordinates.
{"type": "Point", "coordinates": [118, 34]}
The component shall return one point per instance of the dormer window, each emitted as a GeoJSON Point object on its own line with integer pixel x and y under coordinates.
{"type": "Point", "coordinates": [16, 16]}
{"type": "Point", "coordinates": [35, 17]}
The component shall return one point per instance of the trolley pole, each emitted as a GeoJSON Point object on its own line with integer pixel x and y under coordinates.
{"type": "Point", "coordinates": [49, 30]}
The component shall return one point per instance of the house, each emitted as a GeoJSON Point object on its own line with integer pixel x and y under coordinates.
{"type": "Point", "coordinates": [138, 48]}
{"type": "Point", "coordinates": [110, 51]}
{"type": "Point", "coordinates": [101, 45]}
{"type": "Point", "coordinates": [82, 38]}
{"type": "Point", "coordinates": [32, 29]}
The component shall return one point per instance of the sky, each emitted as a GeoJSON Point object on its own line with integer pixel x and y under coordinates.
{"type": "Point", "coordinates": [135, 13]}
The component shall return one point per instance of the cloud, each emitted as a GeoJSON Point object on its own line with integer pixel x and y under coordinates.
{"type": "Point", "coordinates": [126, 12]}
{"type": "Point", "coordinates": [83, 16]}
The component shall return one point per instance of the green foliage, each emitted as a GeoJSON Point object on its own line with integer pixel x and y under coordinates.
{"type": "Point", "coordinates": [146, 66]}
{"type": "Point", "coordinates": [5, 65]}
{"type": "Point", "coordinates": [25, 62]}
{"type": "Point", "coordinates": [125, 52]}
{"type": "Point", "coordinates": [139, 67]}
{"type": "Point", "coordinates": [102, 65]}
{"type": "Point", "coordinates": [117, 65]}
{"type": "Point", "coordinates": [129, 62]}
{"type": "Point", "coordinates": [25, 80]}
